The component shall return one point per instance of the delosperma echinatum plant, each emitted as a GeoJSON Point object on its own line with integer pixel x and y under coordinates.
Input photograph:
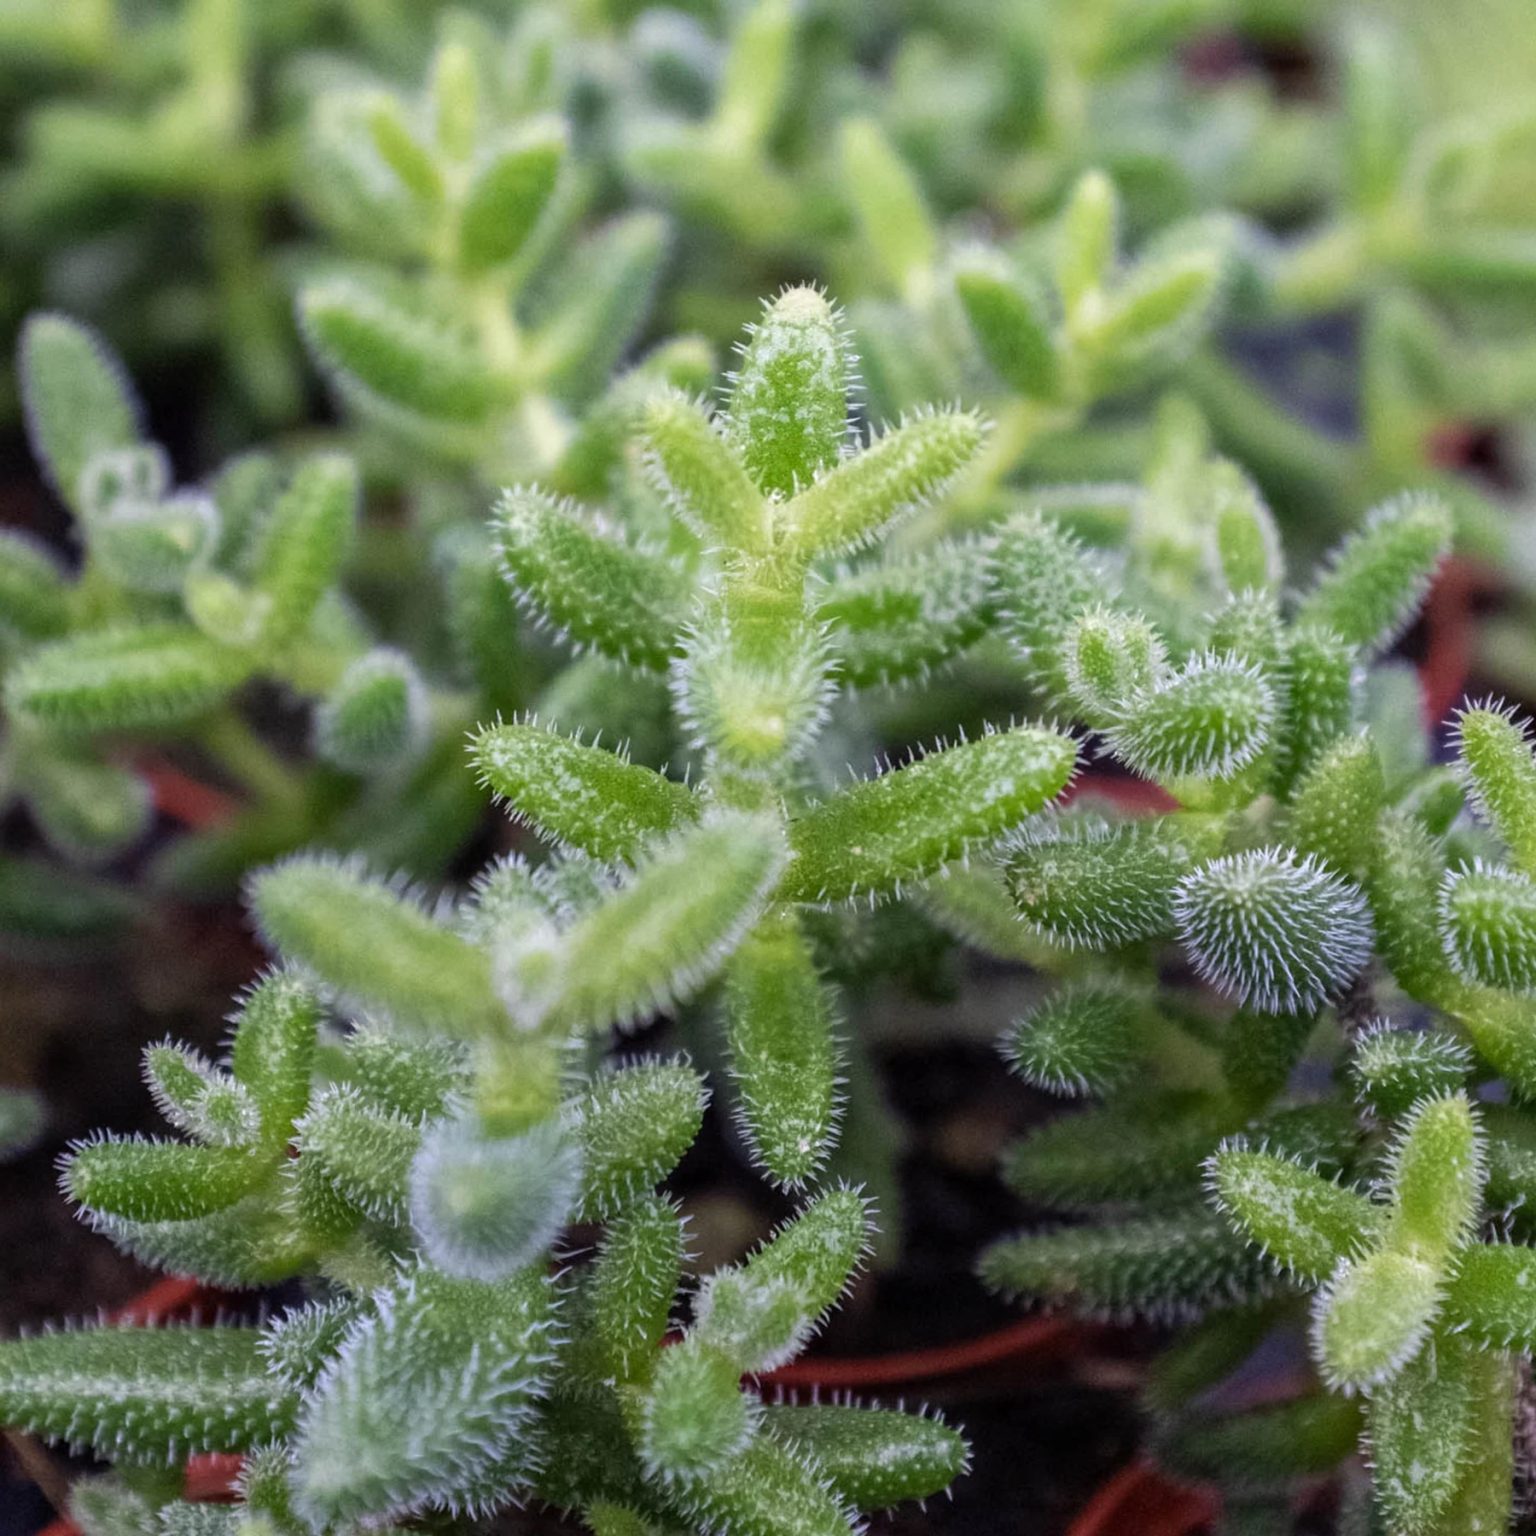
{"type": "Point", "coordinates": [603, 742]}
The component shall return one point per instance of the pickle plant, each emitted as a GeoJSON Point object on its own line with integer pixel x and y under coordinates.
{"type": "Point", "coordinates": [423, 1167]}
{"type": "Point", "coordinates": [1347, 917]}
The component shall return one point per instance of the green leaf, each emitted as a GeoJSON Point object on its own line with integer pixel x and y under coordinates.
{"type": "Point", "coordinates": [1263, 1448]}
{"type": "Point", "coordinates": [1170, 1266]}
{"type": "Point", "coordinates": [1043, 580]}
{"type": "Point", "coordinates": [87, 809]}
{"type": "Point", "coordinates": [142, 1180]}
{"type": "Point", "coordinates": [364, 1154]}
{"type": "Point", "coordinates": [766, 1491]}
{"type": "Point", "coordinates": [604, 292]}
{"type": "Point", "coordinates": [1279, 933]}
{"type": "Point", "coordinates": [634, 1126]}
{"type": "Point", "coordinates": [1096, 885]}
{"type": "Point", "coordinates": [1109, 659]}
{"type": "Point", "coordinates": [1084, 1038]}
{"type": "Point", "coordinates": [694, 1418]}
{"type": "Point", "coordinates": [1491, 1296]}
{"type": "Point", "coordinates": [486, 1206]}
{"type": "Point", "coordinates": [508, 193]}
{"type": "Point", "coordinates": [375, 717]}
{"type": "Point", "coordinates": [1012, 326]}
{"type": "Point", "coordinates": [1379, 575]}
{"type": "Point", "coordinates": [582, 797]}
{"type": "Point", "coordinates": [145, 1394]}
{"type": "Point", "coordinates": [877, 834]}
{"type": "Point", "coordinates": [1209, 720]}
{"type": "Point", "coordinates": [34, 596]}
{"type": "Point", "coordinates": [1395, 1068]}
{"type": "Point", "coordinates": [1373, 1317]}
{"type": "Point", "coordinates": [154, 547]}
{"type": "Point", "coordinates": [635, 1277]}
{"type": "Point", "coordinates": [77, 399]}
{"type": "Point", "coordinates": [375, 945]}
{"type": "Point", "coordinates": [700, 475]}
{"type": "Point", "coordinates": [303, 543]}
{"type": "Point", "coordinates": [427, 1394]}
{"type": "Point", "coordinates": [1304, 1222]}
{"type": "Point", "coordinates": [1419, 1426]}
{"type": "Point", "coordinates": [872, 1457]}
{"type": "Point", "coordinates": [1156, 318]}
{"type": "Point", "coordinates": [273, 1051]}
{"type": "Point", "coordinates": [1116, 1152]}
{"type": "Point", "coordinates": [1488, 919]}
{"type": "Point", "coordinates": [788, 408]}
{"type": "Point", "coordinates": [128, 678]}
{"type": "Point", "coordinates": [1337, 805]}
{"type": "Point", "coordinates": [1245, 544]}
{"type": "Point", "coordinates": [784, 1059]}
{"type": "Point", "coordinates": [888, 203]}
{"type": "Point", "coordinates": [576, 574]}
{"type": "Point", "coordinates": [897, 620]}
{"type": "Point", "coordinates": [849, 504]}
{"type": "Point", "coordinates": [669, 929]}
{"type": "Point", "coordinates": [1501, 773]}
{"type": "Point", "coordinates": [1404, 883]}
{"type": "Point", "coordinates": [1087, 236]}
{"type": "Point", "coordinates": [1436, 1173]}
{"type": "Point", "coordinates": [817, 1252]}
{"type": "Point", "coordinates": [1320, 674]}
{"type": "Point", "coordinates": [386, 358]}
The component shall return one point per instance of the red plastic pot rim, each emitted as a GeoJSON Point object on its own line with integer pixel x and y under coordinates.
{"type": "Point", "coordinates": [1140, 1500]}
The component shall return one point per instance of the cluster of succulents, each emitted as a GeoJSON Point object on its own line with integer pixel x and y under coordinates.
{"type": "Point", "coordinates": [459, 288]}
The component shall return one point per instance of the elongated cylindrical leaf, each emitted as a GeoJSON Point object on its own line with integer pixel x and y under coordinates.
{"type": "Point", "coordinates": [375, 945]}
{"type": "Point", "coordinates": [426, 1395]}
{"type": "Point", "coordinates": [1094, 885]}
{"type": "Point", "coordinates": [873, 1458]}
{"type": "Point", "coordinates": [849, 504]}
{"type": "Point", "coordinates": [1173, 1265]}
{"type": "Point", "coordinates": [1277, 932]}
{"type": "Point", "coordinates": [158, 1180]}
{"type": "Point", "coordinates": [634, 1126]}
{"type": "Point", "coordinates": [1496, 755]}
{"type": "Point", "coordinates": [1379, 575]}
{"type": "Point", "coordinates": [699, 473]}
{"type": "Point", "coordinates": [303, 544]}
{"type": "Point", "coordinates": [381, 354]}
{"type": "Point", "coordinates": [123, 679]}
{"type": "Point", "coordinates": [784, 1059]}
{"type": "Point", "coordinates": [1012, 326]}
{"type": "Point", "coordinates": [145, 1394]}
{"type": "Point", "coordinates": [582, 797]}
{"type": "Point", "coordinates": [1304, 1222]}
{"type": "Point", "coordinates": [575, 573]}
{"type": "Point", "coordinates": [899, 620]}
{"type": "Point", "coordinates": [1488, 918]}
{"type": "Point", "coordinates": [1208, 721]}
{"type": "Point", "coordinates": [77, 397]}
{"type": "Point", "coordinates": [876, 834]}
{"type": "Point", "coordinates": [788, 410]}
{"type": "Point", "coordinates": [669, 930]}
{"type": "Point", "coordinates": [507, 194]}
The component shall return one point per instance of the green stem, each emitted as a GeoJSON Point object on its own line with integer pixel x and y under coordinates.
{"type": "Point", "coordinates": [241, 753]}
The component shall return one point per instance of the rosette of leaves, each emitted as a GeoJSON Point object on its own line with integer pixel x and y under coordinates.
{"type": "Point", "coordinates": [463, 316]}
{"type": "Point", "coordinates": [755, 627]}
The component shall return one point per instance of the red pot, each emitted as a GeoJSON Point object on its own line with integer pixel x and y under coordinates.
{"type": "Point", "coordinates": [1140, 1500]}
